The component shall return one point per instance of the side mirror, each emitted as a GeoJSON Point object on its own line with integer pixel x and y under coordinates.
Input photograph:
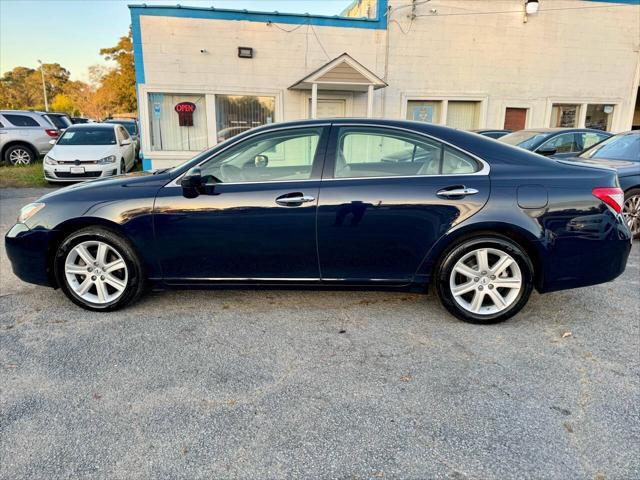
{"type": "Point", "coordinates": [546, 151]}
{"type": "Point", "coordinates": [192, 180]}
{"type": "Point", "coordinates": [261, 161]}
{"type": "Point", "coordinates": [126, 141]}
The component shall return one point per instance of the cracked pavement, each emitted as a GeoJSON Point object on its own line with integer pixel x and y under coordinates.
{"type": "Point", "coordinates": [316, 384]}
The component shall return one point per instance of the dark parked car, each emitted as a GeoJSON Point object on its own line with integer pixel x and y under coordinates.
{"type": "Point", "coordinates": [492, 133]}
{"type": "Point", "coordinates": [132, 128]}
{"type": "Point", "coordinates": [77, 120]}
{"type": "Point", "coordinates": [556, 142]}
{"type": "Point", "coordinates": [621, 152]}
{"type": "Point", "coordinates": [314, 203]}
{"type": "Point", "coordinates": [62, 121]}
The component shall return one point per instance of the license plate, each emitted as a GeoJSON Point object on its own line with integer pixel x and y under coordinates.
{"type": "Point", "coordinates": [77, 169]}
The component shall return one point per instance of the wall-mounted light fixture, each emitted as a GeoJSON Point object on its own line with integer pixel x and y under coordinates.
{"type": "Point", "coordinates": [530, 8]}
{"type": "Point", "coordinates": [245, 52]}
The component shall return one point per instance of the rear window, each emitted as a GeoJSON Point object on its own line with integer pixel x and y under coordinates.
{"type": "Point", "coordinates": [524, 139]}
{"type": "Point", "coordinates": [88, 136]}
{"type": "Point", "coordinates": [20, 120]}
{"type": "Point", "coordinates": [59, 121]}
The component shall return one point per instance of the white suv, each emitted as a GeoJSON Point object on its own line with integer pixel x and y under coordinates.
{"type": "Point", "coordinates": [89, 150]}
{"type": "Point", "coordinates": [24, 136]}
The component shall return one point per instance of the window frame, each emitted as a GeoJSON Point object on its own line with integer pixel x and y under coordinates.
{"type": "Point", "coordinates": [328, 173]}
{"type": "Point", "coordinates": [554, 137]}
{"type": "Point", "coordinates": [22, 115]}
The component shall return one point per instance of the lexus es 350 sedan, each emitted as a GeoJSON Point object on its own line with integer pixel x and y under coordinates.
{"type": "Point", "coordinates": [320, 203]}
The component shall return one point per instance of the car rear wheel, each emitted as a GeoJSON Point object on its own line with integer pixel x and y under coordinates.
{"type": "Point", "coordinates": [631, 211]}
{"type": "Point", "coordinates": [98, 269]}
{"type": "Point", "coordinates": [485, 279]}
{"type": "Point", "coordinates": [19, 155]}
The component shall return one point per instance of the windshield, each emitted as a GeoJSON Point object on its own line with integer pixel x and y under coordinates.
{"type": "Point", "coordinates": [88, 136]}
{"type": "Point", "coordinates": [619, 147]}
{"type": "Point", "coordinates": [524, 139]}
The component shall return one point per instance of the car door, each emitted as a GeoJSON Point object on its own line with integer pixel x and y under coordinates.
{"type": "Point", "coordinates": [387, 195]}
{"type": "Point", "coordinates": [255, 219]}
{"type": "Point", "coordinates": [128, 148]}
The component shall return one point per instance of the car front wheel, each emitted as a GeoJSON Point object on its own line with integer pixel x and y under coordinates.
{"type": "Point", "coordinates": [98, 269]}
{"type": "Point", "coordinates": [485, 279]}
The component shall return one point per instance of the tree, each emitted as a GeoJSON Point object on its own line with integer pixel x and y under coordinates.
{"type": "Point", "coordinates": [119, 85]}
{"type": "Point", "coordinates": [21, 88]}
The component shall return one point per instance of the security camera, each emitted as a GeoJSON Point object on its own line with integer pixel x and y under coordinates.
{"type": "Point", "coordinates": [203, 50]}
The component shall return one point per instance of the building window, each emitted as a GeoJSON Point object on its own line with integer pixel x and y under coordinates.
{"type": "Point", "coordinates": [178, 122]}
{"type": "Point", "coordinates": [564, 115]}
{"type": "Point", "coordinates": [463, 115]}
{"type": "Point", "coordinates": [599, 117]}
{"type": "Point", "coordinates": [515, 118]}
{"type": "Point", "coordinates": [238, 113]}
{"type": "Point", "coordinates": [424, 111]}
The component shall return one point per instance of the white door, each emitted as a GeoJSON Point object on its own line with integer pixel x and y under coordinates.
{"type": "Point", "coordinates": [330, 108]}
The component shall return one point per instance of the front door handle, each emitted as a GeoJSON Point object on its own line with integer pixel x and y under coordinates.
{"type": "Point", "coordinates": [460, 191]}
{"type": "Point", "coordinates": [294, 199]}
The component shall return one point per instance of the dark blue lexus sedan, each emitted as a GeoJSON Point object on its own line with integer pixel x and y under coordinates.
{"type": "Point", "coordinates": [346, 202]}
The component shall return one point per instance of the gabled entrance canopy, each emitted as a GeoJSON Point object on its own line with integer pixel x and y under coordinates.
{"type": "Point", "coordinates": [341, 73]}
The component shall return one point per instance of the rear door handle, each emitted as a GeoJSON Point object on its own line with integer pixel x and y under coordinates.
{"type": "Point", "coordinates": [294, 199]}
{"type": "Point", "coordinates": [456, 192]}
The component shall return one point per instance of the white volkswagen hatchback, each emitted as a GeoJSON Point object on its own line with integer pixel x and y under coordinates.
{"type": "Point", "coordinates": [89, 150]}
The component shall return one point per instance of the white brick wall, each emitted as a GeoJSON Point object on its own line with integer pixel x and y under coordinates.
{"type": "Point", "coordinates": [585, 55]}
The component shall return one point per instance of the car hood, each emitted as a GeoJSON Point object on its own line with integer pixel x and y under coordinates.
{"type": "Point", "coordinates": [81, 152]}
{"type": "Point", "coordinates": [135, 179]}
{"type": "Point", "coordinates": [624, 167]}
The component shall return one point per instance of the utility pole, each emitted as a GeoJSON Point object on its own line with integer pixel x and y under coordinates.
{"type": "Point", "coordinates": [44, 87]}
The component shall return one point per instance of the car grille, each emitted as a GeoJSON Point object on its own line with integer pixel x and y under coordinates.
{"type": "Point", "coordinates": [77, 175]}
{"type": "Point", "coordinates": [74, 162]}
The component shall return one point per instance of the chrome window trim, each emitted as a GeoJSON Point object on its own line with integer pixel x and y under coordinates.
{"type": "Point", "coordinates": [485, 170]}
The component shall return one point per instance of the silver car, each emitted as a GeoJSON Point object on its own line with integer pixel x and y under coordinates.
{"type": "Point", "coordinates": [24, 136]}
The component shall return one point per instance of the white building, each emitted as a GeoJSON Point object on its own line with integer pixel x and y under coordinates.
{"type": "Point", "coordinates": [463, 63]}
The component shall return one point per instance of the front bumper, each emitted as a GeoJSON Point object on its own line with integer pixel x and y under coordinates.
{"type": "Point", "coordinates": [29, 253]}
{"type": "Point", "coordinates": [71, 173]}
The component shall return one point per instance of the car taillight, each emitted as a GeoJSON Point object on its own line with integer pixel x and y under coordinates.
{"type": "Point", "coordinates": [612, 196]}
{"type": "Point", "coordinates": [52, 133]}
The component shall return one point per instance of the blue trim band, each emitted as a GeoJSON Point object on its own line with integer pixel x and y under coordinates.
{"type": "Point", "coordinates": [380, 22]}
{"type": "Point", "coordinates": [137, 47]}
{"type": "Point", "coordinates": [146, 163]}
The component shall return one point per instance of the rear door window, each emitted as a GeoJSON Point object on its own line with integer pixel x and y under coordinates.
{"type": "Point", "coordinates": [378, 152]}
{"type": "Point", "coordinates": [20, 120]}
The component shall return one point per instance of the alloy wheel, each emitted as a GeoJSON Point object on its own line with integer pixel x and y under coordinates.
{"type": "Point", "coordinates": [485, 281]}
{"type": "Point", "coordinates": [631, 212]}
{"type": "Point", "coordinates": [19, 156]}
{"type": "Point", "coordinates": [96, 272]}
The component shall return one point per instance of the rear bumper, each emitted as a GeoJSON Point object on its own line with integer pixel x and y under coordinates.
{"type": "Point", "coordinates": [587, 254]}
{"type": "Point", "coordinates": [28, 252]}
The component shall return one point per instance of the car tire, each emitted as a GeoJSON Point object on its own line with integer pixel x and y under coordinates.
{"type": "Point", "coordinates": [123, 167]}
{"type": "Point", "coordinates": [631, 211]}
{"type": "Point", "coordinates": [491, 294]}
{"type": "Point", "coordinates": [19, 155]}
{"type": "Point", "coordinates": [116, 277]}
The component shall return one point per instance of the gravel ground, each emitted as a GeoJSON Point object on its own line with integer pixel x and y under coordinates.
{"type": "Point", "coordinates": [274, 384]}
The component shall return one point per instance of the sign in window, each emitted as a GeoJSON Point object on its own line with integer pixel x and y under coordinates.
{"type": "Point", "coordinates": [178, 122]}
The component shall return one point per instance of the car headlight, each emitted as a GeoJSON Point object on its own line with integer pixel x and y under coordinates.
{"type": "Point", "coordinates": [50, 161]}
{"type": "Point", "coordinates": [29, 211]}
{"type": "Point", "coordinates": [109, 159]}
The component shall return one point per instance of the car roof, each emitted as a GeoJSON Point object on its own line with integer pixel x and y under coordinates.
{"type": "Point", "coordinates": [92, 125]}
{"type": "Point", "coordinates": [560, 130]}
{"type": "Point", "coordinates": [120, 120]}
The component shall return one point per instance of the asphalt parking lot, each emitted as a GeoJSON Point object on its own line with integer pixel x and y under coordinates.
{"type": "Point", "coordinates": [306, 384]}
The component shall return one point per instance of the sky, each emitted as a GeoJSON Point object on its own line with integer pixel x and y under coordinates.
{"type": "Point", "coordinates": [71, 32]}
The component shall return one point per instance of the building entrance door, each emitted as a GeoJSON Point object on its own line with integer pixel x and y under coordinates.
{"type": "Point", "coordinates": [515, 118]}
{"type": "Point", "coordinates": [330, 108]}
